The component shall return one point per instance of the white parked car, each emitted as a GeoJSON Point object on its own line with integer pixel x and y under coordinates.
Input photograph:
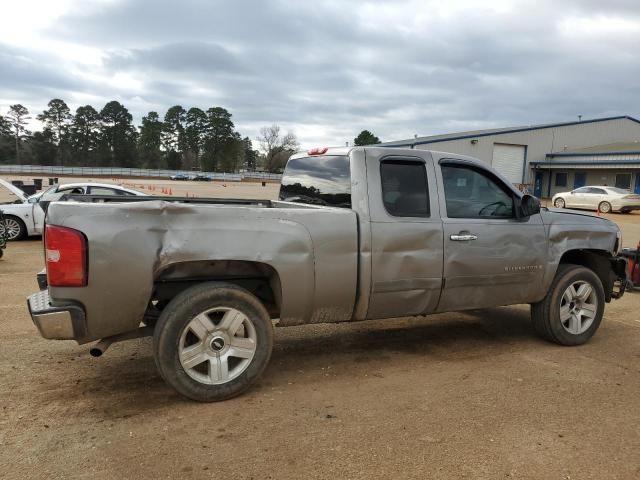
{"type": "Point", "coordinates": [24, 217]}
{"type": "Point", "coordinates": [603, 198]}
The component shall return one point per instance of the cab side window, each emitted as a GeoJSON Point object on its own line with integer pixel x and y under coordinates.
{"type": "Point", "coordinates": [52, 196]}
{"type": "Point", "coordinates": [472, 193]}
{"type": "Point", "coordinates": [102, 191]}
{"type": "Point", "coordinates": [405, 192]}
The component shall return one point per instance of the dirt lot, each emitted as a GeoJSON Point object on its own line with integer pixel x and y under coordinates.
{"type": "Point", "coordinates": [465, 395]}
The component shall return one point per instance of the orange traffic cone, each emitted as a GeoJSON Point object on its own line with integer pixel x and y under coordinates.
{"type": "Point", "coordinates": [170, 191]}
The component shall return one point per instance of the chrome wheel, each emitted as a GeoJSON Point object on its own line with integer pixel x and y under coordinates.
{"type": "Point", "coordinates": [11, 228]}
{"type": "Point", "coordinates": [604, 207]}
{"type": "Point", "coordinates": [217, 345]}
{"type": "Point", "coordinates": [578, 307]}
{"type": "Point", "coordinates": [559, 203]}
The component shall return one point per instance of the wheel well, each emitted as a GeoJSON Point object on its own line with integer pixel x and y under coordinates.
{"type": "Point", "coordinates": [595, 260]}
{"type": "Point", "coordinates": [10, 215]}
{"type": "Point", "coordinates": [261, 279]}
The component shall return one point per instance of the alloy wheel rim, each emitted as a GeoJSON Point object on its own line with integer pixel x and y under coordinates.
{"type": "Point", "coordinates": [605, 207]}
{"type": "Point", "coordinates": [11, 228]}
{"type": "Point", "coordinates": [559, 203]}
{"type": "Point", "coordinates": [217, 345]}
{"type": "Point", "coordinates": [578, 307]}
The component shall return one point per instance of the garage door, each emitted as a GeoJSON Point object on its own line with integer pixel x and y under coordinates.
{"type": "Point", "coordinates": [509, 160]}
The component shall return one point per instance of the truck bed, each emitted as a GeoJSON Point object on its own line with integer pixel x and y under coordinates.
{"type": "Point", "coordinates": [135, 242]}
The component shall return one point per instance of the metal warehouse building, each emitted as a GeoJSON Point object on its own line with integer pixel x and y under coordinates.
{"type": "Point", "coordinates": [553, 157]}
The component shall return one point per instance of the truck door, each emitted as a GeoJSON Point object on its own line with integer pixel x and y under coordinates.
{"type": "Point", "coordinates": [406, 234]}
{"type": "Point", "coordinates": [490, 256]}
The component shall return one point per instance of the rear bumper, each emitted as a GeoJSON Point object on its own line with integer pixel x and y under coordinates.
{"type": "Point", "coordinates": [629, 208]}
{"type": "Point", "coordinates": [66, 322]}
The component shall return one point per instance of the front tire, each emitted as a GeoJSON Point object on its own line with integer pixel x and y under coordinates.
{"type": "Point", "coordinates": [14, 228]}
{"type": "Point", "coordinates": [212, 341]}
{"type": "Point", "coordinates": [559, 203]}
{"type": "Point", "coordinates": [572, 310]}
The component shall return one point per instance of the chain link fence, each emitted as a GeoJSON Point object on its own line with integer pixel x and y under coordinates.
{"type": "Point", "coordinates": [49, 170]}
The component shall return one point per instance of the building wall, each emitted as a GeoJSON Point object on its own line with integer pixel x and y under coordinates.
{"type": "Point", "coordinates": [594, 177]}
{"type": "Point", "coordinates": [540, 142]}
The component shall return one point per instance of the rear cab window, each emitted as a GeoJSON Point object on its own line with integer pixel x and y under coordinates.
{"type": "Point", "coordinates": [405, 190]}
{"type": "Point", "coordinates": [317, 180]}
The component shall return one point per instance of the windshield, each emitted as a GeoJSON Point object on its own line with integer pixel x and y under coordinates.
{"type": "Point", "coordinates": [9, 192]}
{"type": "Point", "coordinates": [35, 197]}
{"type": "Point", "coordinates": [321, 180]}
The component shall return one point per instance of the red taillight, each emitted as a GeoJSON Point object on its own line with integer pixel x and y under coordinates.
{"type": "Point", "coordinates": [66, 257]}
{"type": "Point", "coordinates": [317, 151]}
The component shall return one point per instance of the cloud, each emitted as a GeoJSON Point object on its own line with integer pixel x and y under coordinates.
{"type": "Point", "coordinates": [329, 69]}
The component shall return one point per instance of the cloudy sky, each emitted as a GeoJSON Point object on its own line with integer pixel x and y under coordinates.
{"type": "Point", "coordinates": [328, 69]}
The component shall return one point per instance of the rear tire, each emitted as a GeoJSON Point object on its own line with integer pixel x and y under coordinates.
{"type": "Point", "coordinates": [559, 203]}
{"type": "Point", "coordinates": [572, 310]}
{"type": "Point", "coordinates": [604, 207]}
{"type": "Point", "coordinates": [212, 341]}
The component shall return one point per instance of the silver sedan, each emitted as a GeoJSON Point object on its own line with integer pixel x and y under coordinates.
{"type": "Point", "coordinates": [602, 198]}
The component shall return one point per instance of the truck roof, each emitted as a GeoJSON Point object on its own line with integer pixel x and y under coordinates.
{"type": "Point", "coordinates": [397, 151]}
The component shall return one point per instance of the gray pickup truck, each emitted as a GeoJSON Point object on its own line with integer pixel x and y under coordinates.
{"type": "Point", "coordinates": [361, 233]}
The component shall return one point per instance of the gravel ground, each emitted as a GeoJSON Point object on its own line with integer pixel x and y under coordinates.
{"type": "Point", "coordinates": [463, 395]}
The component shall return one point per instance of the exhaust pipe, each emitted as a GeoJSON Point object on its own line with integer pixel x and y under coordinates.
{"type": "Point", "coordinates": [99, 348]}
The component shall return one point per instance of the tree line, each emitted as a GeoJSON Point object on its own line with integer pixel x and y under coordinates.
{"type": "Point", "coordinates": [192, 139]}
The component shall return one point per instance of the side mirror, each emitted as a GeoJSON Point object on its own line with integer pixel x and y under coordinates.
{"type": "Point", "coordinates": [529, 205]}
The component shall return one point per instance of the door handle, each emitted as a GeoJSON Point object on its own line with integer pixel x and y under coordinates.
{"type": "Point", "coordinates": [463, 238]}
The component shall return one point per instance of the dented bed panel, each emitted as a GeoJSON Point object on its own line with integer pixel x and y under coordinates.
{"type": "Point", "coordinates": [313, 250]}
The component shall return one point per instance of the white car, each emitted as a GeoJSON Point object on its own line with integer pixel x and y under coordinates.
{"type": "Point", "coordinates": [603, 198]}
{"type": "Point", "coordinates": [24, 217]}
